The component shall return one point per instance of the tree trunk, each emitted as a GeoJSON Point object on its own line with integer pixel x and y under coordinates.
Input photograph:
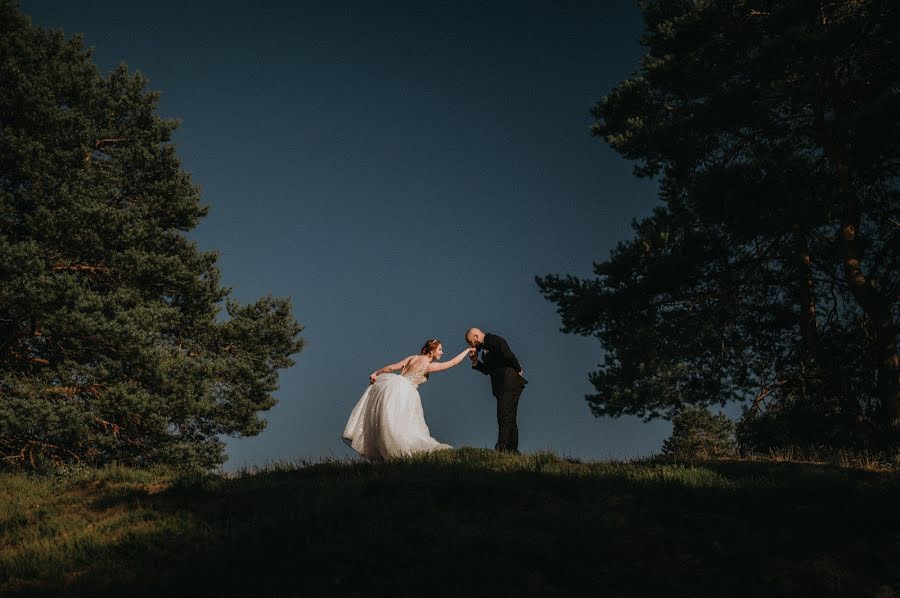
{"type": "Point", "coordinates": [806, 301]}
{"type": "Point", "coordinates": [806, 298]}
{"type": "Point", "coordinates": [876, 306]}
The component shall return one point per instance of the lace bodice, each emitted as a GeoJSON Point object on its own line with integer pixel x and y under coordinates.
{"type": "Point", "coordinates": [417, 377]}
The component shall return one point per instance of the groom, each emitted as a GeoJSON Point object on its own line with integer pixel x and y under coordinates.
{"type": "Point", "coordinates": [507, 382]}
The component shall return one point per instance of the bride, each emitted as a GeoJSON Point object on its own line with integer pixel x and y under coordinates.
{"type": "Point", "coordinates": [388, 420]}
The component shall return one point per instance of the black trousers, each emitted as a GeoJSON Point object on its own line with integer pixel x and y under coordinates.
{"type": "Point", "coordinates": [507, 407]}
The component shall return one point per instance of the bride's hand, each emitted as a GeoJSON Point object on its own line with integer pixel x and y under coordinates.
{"type": "Point", "coordinates": [473, 356]}
{"type": "Point", "coordinates": [466, 353]}
{"type": "Point", "coordinates": [372, 377]}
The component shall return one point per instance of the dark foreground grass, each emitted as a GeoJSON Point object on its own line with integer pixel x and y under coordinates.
{"type": "Point", "coordinates": [457, 523]}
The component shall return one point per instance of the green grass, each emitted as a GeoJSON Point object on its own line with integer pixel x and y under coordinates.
{"type": "Point", "coordinates": [456, 523]}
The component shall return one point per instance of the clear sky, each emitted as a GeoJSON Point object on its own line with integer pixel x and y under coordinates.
{"type": "Point", "coordinates": [402, 170]}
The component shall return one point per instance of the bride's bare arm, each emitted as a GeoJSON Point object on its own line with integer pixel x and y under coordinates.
{"type": "Point", "coordinates": [393, 367]}
{"type": "Point", "coordinates": [446, 365]}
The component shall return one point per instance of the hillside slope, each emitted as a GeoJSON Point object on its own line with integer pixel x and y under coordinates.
{"type": "Point", "coordinates": [458, 523]}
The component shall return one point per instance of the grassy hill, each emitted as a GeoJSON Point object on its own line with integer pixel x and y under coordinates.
{"type": "Point", "coordinates": [457, 523]}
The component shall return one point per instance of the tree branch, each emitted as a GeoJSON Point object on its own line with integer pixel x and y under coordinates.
{"type": "Point", "coordinates": [100, 142]}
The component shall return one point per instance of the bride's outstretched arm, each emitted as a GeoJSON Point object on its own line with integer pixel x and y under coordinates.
{"type": "Point", "coordinates": [393, 367]}
{"type": "Point", "coordinates": [446, 365]}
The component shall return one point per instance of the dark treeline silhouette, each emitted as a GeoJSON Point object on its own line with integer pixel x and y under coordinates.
{"type": "Point", "coordinates": [770, 273]}
{"type": "Point", "coordinates": [112, 347]}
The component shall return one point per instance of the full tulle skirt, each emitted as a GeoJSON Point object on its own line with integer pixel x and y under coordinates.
{"type": "Point", "coordinates": [388, 421]}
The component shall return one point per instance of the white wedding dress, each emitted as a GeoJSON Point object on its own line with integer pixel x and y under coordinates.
{"type": "Point", "coordinates": [388, 420]}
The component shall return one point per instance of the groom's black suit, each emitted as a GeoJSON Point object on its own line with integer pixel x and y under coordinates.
{"type": "Point", "coordinates": [500, 363]}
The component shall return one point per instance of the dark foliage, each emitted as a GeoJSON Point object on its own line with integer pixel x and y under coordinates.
{"type": "Point", "coordinates": [771, 271]}
{"type": "Point", "coordinates": [698, 434]}
{"type": "Point", "coordinates": [112, 345]}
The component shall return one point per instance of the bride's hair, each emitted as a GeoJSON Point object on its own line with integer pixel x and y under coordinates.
{"type": "Point", "coordinates": [430, 345]}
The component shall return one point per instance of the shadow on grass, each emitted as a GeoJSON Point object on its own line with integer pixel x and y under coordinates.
{"type": "Point", "coordinates": [470, 523]}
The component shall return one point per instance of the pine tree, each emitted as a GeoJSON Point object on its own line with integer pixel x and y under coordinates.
{"type": "Point", "coordinates": [112, 344]}
{"type": "Point", "coordinates": [698, 434]}
{"type": "Point", "coordinates": [768, 125]}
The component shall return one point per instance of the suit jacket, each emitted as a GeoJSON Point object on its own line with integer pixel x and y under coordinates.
{"type": "Point", "coordinates": [500, 363]}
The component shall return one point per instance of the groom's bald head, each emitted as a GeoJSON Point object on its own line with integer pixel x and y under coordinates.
{"type": "Point", "coordinates": [474, 337]}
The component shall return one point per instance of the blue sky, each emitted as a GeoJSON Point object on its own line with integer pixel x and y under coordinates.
{"type": "Point", "coordinates": [402, 171]}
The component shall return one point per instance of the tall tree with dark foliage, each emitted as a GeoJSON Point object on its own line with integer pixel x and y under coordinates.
{"type": "Point", "coordinates": [770, 273]}
{"type": "Point", "coordinates": [112, 344]}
